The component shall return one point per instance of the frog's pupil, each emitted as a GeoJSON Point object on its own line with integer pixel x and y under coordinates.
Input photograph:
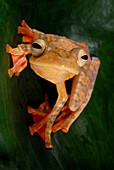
{"type": "Point", "coordinates": [84, 57]}
{"type": "Point", "coordinates": [35, 45]}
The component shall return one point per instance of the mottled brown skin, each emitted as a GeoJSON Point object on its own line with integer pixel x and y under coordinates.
{"type": "Point", "coordinates": [60, 61]}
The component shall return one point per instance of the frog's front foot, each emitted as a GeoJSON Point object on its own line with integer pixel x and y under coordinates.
{"type": "Point", "coordinates": [40, 118]}
{"type": "Point", "coordinates": [27, 32]}
{"type": "Point", "coordinates": [41, 127]}
{"type": "Point", "coordinates": [18, 56]}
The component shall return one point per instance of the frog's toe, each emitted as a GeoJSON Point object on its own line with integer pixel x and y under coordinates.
{"type": "Point", "coordinates": [40, 128]}
{"type": "Point", "coordinates": [65, 130]}
{"type": "Point", "coordinates": [8, 48]}
{"type": "Point", "coordinates": [37, 114]}
{"type": "Point", "coordinates": [61, 121]}
{"type": "Point", "coordinates": [25, 29]}
{"type": "Point", "coordinates": [31, 130]}
{"type": "Point", "coordinates": [23, 23]}
{"type": "Point", "coordinates": [48, 145]}
{"type": "Point", "coordinates": [11, 72]}
{"type": "Point", "coordinates": [27, 38]}
{"type": "Point", "coordinates": [61, 126]}
{"type": "Point", "coordinates": [58, 126]}
{"type": "Point", "coordinates": [21, 30]}
{"type": "Point", "coordinates": [43, 110]}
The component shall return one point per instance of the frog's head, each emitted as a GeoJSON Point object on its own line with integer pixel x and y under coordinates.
{"type": "Point", "coordinates": [46, 54]}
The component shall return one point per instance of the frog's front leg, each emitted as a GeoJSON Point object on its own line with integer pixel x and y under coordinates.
{"type": "Point", "coordinates": [80, 96]}
{"type": "Point", "coordinates": [19, 58]}
{"type": "Point", "coordinates": [26, 31]}
{"type": "Point", "coordinates": [50, 118]}
{"type": "Point", "coordinates": [30, 35]}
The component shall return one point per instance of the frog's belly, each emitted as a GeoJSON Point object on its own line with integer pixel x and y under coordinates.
{"type": "Point", "coordinates": [51, 74]}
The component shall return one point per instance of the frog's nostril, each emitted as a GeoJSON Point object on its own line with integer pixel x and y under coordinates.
{"type": "Point", "coordinates": [37, 46]}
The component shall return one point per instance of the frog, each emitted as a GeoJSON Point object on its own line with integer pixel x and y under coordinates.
{"type": "Point", "coordinates": [56, 59]}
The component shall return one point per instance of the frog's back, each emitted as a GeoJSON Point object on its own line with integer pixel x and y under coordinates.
{"type": "Point", "coordinates": [59, 41]}
{"type": "Point", "coordinates": [63, 42]}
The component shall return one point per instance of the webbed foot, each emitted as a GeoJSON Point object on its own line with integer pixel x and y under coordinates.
{"type": "Point", "coordinates": [18, 56]}
{"type": "Point", "coordinates": [27, 32]}
{"type": "Point", "coordinates": [40, 118]}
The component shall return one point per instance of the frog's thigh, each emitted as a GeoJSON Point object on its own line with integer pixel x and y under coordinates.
{"type": "Point", "coordinates": [62, 97]}
{"type": "Point", "coordinates": [94, 66]}
{"type": "Point", "coordinates": [82, 84]}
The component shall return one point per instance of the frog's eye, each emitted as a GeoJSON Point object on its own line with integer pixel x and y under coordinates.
{"type": "Point", "coordinates": [38, 47]}
{"type": "Point", "coordinates": [82, 57]}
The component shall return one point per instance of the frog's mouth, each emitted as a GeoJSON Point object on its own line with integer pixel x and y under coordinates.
{"type": "Point", "coordinates": [51, 74]}
{"type": "Point", "coordinates": [46, 64]}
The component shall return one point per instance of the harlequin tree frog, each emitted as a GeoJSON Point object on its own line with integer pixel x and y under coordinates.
{"type": "Point", "coordinates": [56, 59]}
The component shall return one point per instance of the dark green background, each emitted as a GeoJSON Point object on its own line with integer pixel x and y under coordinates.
{"type": "Point", "coordinates": [89, 143]}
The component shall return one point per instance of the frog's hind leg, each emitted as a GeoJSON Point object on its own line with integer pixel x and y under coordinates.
{"type": "Point", "coordinates": [66, 121]}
